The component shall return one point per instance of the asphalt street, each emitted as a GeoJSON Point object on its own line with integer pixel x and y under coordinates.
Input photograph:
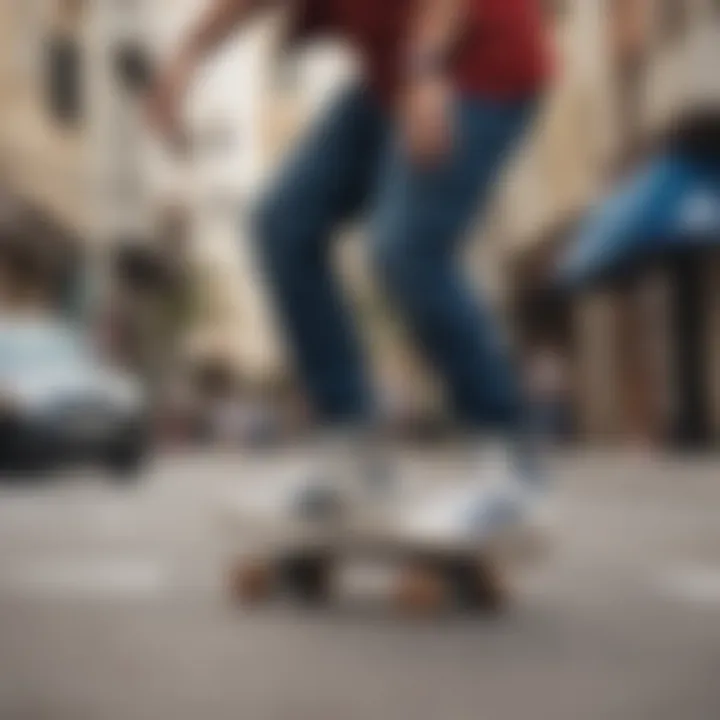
{"type": "Point", "coordinates": [112, 607]}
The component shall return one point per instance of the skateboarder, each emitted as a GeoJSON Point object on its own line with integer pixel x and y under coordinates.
{"type": "Point", "coordinates": [449, 88]}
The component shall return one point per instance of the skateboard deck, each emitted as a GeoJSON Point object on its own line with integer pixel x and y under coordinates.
{"type": "Point", "coordinates": [284, 558]}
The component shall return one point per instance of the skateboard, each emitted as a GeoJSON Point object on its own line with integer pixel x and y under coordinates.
{"type": "Point", "coordinates": [429, 575]}
{"type": "Point", "coordinates": [426, 582]}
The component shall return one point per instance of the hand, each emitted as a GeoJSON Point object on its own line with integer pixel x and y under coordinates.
{"type": "Point", "coordinates": [426, 120]}
{"type": "Point", "coordinates": [165, 101]}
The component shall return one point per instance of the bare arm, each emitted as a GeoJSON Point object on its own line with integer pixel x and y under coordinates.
{"type": "Point", "coordinates": [435, 34]}
{"type": "Point", "coordinates": [216, 24]}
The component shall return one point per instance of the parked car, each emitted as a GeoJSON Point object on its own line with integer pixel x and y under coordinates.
{"type": "Point", "coordinates": [60, 403]}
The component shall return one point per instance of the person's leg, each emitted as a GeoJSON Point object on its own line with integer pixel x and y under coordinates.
{"type": "Point", "coordinates": [419, 218]}
{"type": "Point", "coordinates": [325, 182]}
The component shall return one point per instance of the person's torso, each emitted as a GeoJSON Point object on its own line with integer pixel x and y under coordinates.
{"type": "Point", "coordinates": [503, 51]}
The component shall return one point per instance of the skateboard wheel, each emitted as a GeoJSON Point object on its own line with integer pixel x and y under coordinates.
{"type": "Point", "coordinates": [428, 587]}
{"type": "Point", "coordinates": [307, 578]}
{"type": "Point", "coordinates": [477, 585]}
{"type": "Point", "coordinates": [422, 590]}
{"type": "Point", "coordinates": [251, 582]}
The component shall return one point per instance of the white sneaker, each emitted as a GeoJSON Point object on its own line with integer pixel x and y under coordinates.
{"type": "Point", "coordinates": [498, 510]}
{"type": "Point", "coordinates": [333, 495]}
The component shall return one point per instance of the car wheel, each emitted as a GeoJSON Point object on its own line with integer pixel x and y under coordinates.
{"type": "Point", "coordinates": [127, 457]}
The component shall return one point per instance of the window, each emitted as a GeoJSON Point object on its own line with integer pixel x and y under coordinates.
{"type": "Point", "coordinates": [133, 66]}
{"type": "Point", "coordinates": [64, 79]}
{"type": "Point", "coordinates": [64, 63]}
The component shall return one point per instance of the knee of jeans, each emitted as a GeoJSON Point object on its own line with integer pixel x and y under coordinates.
{"type": "Point", "coordinates": [393, 262]}
{"type": "Point", "coordinates": [267, 231]}
{"type": "Point", "coordinates": [279, 232]}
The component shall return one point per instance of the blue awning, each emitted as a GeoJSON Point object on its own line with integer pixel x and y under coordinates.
{"type": "Point", "coordinates": [673, 204]}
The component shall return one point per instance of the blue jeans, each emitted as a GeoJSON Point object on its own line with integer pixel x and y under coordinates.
{"type": "Point", "coordinates": [353, 164]}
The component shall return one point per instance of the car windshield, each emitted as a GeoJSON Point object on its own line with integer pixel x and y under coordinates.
{"type": "Point", "coordinates": [40, 350]}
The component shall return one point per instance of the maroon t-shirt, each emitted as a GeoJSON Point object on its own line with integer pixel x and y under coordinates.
{"type": "Point", "coordinates": [504, 51]}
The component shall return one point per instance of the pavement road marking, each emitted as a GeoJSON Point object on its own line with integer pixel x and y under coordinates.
{"type": "Point", "coordinates": [695, 584]}
{"type": "Point", "coordinates": [87, 578]}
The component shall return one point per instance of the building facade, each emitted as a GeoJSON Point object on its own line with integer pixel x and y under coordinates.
{"type": "Point", "coordinates": [638, 73]}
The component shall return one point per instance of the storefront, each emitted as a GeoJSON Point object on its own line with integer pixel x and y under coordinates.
{"type": "Point", "coordinates": [652, 250]}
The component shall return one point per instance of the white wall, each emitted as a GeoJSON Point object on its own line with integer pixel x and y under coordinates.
{"type": "Point", "coordinates": [562, 167]}
{"type": "Point", "coordinates": [224, 117]}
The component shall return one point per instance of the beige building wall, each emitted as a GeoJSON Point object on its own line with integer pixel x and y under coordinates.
{"type": "Point", "coordinates": [683, 71]}
{"type": "Point", "coordinates": [563, 166]}
{"type": "Point", "coordinates": [39, 159]}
